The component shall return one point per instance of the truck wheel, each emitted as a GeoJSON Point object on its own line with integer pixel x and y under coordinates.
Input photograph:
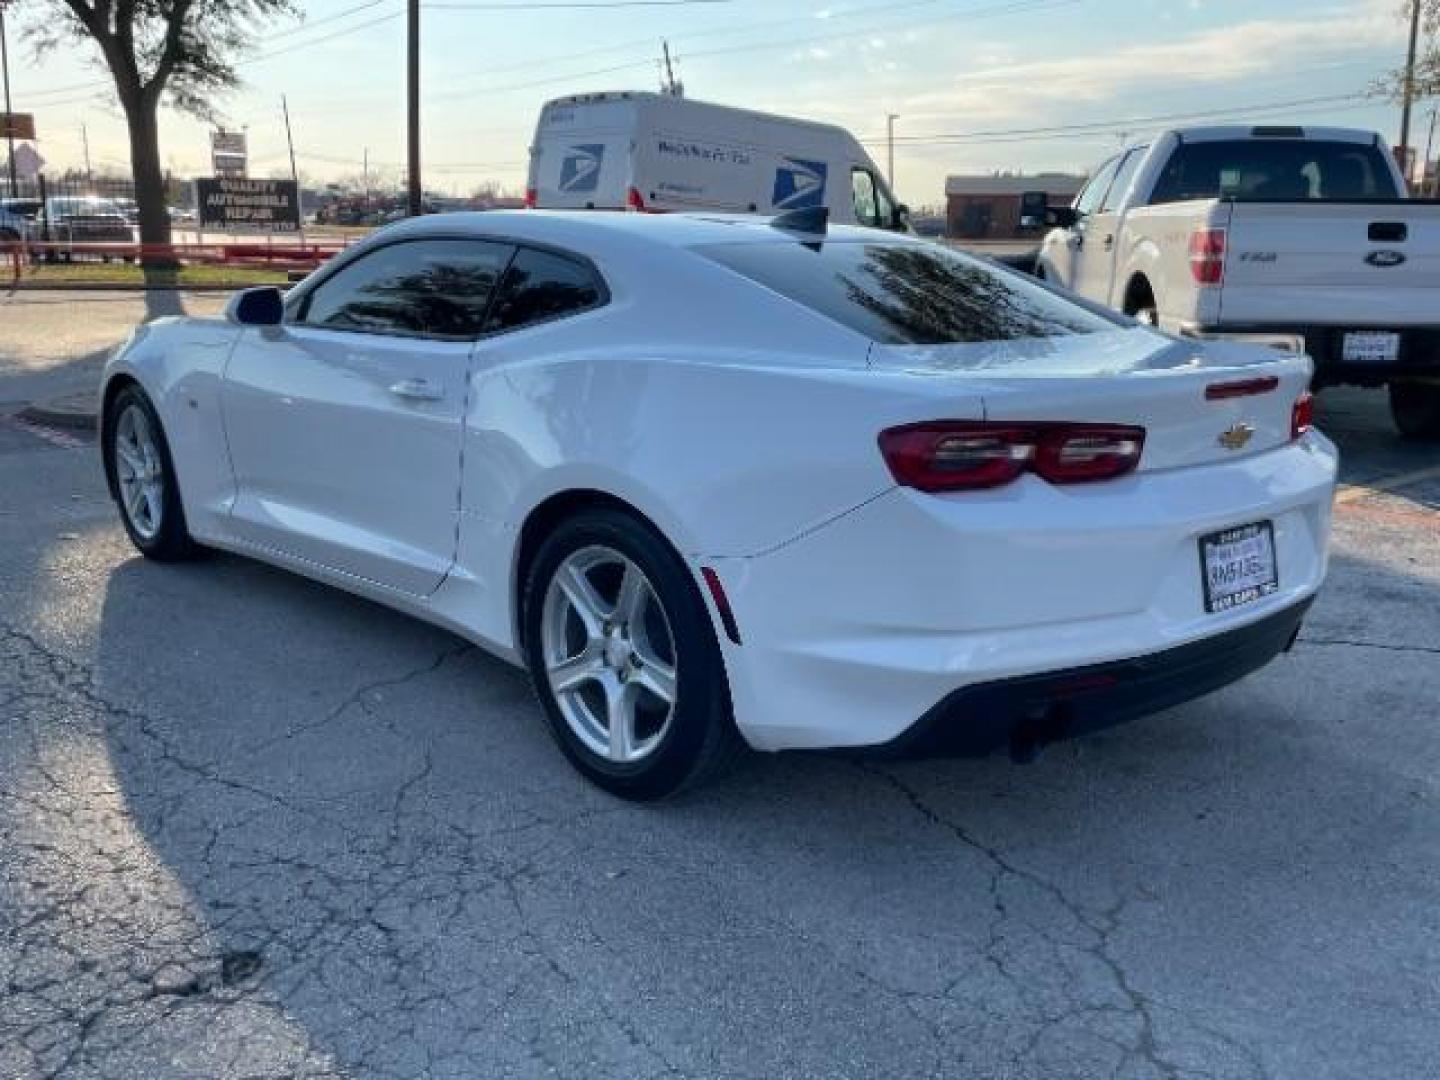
{"type": "Point", "coordinates": [1415, 407]}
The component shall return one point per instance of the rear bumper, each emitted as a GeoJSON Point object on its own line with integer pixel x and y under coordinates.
{"type": "Point", "coordinates": [854, 631]}
{"type": "Point", "coordinates": [1032, 710]}
{"type": "Point", "coordinates": [1419, 349]}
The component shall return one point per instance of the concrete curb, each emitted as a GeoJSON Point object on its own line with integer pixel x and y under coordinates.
{"type": "Point", "coordinates": [10, 288]}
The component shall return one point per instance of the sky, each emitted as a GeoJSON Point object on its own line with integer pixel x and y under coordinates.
{"type": "Point", "coordinates": [978, 85]}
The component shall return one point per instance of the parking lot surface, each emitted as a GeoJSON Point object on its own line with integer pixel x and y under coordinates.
{"type": "Point", "coordinates": [254, 827]}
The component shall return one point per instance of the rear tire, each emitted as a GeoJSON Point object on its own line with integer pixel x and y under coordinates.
{"type": "Point", "coordinates": [634, 690]}
{"type": "Point", "coordinates": [142, 475]}
{"type": "Point", "coordinates": [1415, 408]}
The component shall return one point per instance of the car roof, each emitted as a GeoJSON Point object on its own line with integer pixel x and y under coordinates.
{"type": "Point", "coordinates": [602, 228]}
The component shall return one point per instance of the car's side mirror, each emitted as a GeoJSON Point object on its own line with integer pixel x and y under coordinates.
{"type": "Point", "coordinates": [1061, 217]}
{"type": "Point", "coordinates": [900, 218]}
{"type": "Point", "coordinates": [262, 306]}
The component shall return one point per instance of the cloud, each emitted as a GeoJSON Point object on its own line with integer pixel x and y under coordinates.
{"type": "Point", "coordinates": [1231, 54]}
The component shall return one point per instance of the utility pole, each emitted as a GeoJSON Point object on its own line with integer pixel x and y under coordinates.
{"type": "Point", "coordinates": [9, 131]}
{"type": "Point", "coordinates": [890, 119]}
{"type": "Point", "coordinates": [85, 141]}
{"type": "Point", "coordinates": [1425, 185]}
{"type": "Point", "coordinates": [294, 172]}
{"type": "Point", "coordinates": [365, 174]}
{"type": "Point", "coordinates": [1408, 93]}
{"type": "Point", "coordinates": [412, 106]}
{"type": "Point", "coordinates": [671, 87]}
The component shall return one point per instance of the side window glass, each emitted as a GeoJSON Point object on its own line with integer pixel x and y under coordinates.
{"type": "Point", "coordinates": [1120, 186]}
{"type": "Point", "coordinates": [1095, 190]}
{"type": "Point", "coordinates": [862, 189]}
{"type": "Point", "coordinates": [429, 288]}
{"type": "Point", "coordinates": [540, 286]}
{"type": "Point", "coordinates": [884, 208]}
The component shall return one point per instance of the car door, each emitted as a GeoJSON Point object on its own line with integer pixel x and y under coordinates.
{"type": "Point", "coordinates": [1095, 268]}
{"type": "Point", "coordinates": [1065, 248]}
{"type": "Point", "coordinates": [345, 423]}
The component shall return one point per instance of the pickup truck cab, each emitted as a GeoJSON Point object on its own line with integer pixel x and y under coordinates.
{"type": "Point", "coordinates": [1295, 237]}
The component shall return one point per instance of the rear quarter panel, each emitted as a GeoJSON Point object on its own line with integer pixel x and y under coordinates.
{"type": "Point", "coordinates": [1155, 244]}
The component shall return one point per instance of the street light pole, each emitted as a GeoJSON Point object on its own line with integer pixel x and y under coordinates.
{"type": "Point", "coordinates": [9, 129]}
{"type": "Point", "coordinates": [412, 88]}
{"type": "Point", "coordinates": [890, 119]}
{"type": "Point", "coordinates": [1408, 92]}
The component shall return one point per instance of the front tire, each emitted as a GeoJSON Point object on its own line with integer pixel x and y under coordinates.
{"type": "Point", "coordinates": [1415, 408]}
{"type": "Point", "coordinates": [623, 657]}
{"type": "Point", "coordinates": [142, 475]}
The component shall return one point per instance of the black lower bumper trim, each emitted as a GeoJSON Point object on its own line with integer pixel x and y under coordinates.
{"type": "Point", "coordinates": [1029, 711]}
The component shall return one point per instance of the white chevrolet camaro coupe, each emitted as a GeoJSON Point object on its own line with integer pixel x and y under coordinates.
{"type": "Point", "coordinates": [722, 480]}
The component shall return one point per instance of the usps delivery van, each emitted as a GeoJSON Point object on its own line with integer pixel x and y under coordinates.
{"type": "Point", "coordinates": [657, 152]}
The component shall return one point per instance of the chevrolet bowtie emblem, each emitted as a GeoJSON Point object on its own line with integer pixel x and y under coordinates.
{"type": "Point", "coordinates": [1236, 436]}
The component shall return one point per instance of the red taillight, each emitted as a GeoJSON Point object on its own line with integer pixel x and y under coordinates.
{"type": "Point", "coordinates": [963, 455]}
{"type": "Point", "coordinates": [530, 198]}
{"type": "Point", "coordinates": [1207, 256]}
{"type": "Point", "coordinates": [634, 200]}
{"type": "Point", "coordinates": [1302, 416]}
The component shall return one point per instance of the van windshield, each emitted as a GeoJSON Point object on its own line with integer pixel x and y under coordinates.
{"type": "Point", "coordinates": [908, 293]}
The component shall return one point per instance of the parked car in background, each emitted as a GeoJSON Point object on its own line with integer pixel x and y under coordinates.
{"type": "Point", "coordinates": [18, 219]}
{"type": "Point", "coordinates": [130, 209]}
{"type": "Point", "coordinates": [658, 152]}
{"type": "Point", "coordinates": [709, 475]}
{"type": "Point", "coordinates": [1294, 237]}
{"type": "Point", "coordinates": [71, 221]}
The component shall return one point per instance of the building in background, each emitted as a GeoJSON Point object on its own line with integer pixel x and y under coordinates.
{"type": "Point", "coordinates": [990, 207]}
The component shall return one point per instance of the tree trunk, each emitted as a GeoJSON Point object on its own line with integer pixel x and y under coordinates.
{"type": "Point", "coordinates": [150, 193]}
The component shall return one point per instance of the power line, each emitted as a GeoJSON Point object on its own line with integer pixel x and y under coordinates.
{"type": "Point", "coordinates": [1091, 127]}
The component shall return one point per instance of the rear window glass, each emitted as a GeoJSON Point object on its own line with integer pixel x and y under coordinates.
{"type": "Point", "coordinates": [908, 293]}
{"type": "Point", "coordinates": [1275, 169]}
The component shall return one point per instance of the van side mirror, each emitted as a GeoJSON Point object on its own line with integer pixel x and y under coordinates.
{"type": "Point", "coordinates": [900, 218]}
{"type": "Point", "coordinates": [1061, 217]}
{"type": "Point", "coordinates": [262, 306]}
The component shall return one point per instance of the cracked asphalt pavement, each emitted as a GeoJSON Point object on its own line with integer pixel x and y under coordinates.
{"type": "Point", "coordinates": [252, 827]}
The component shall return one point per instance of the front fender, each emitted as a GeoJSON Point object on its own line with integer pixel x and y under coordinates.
{"type": "Point", "coordinates": [180, 365]}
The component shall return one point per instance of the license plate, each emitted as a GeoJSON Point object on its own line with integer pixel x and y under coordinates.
{"type": "Point", "coordinates": [1371, 347]}
{"type": "Point", "coordinates": [1237, 566]}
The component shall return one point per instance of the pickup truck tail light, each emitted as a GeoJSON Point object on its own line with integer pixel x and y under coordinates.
{"type": "Point", "coordinates": [531, 198]}
{"type": "Point", "coordinates": [1302, 416]}
{"type": "Point", "coordinates": [1207, 256]}
{"type": "Point", "coordinates": [952, 455]}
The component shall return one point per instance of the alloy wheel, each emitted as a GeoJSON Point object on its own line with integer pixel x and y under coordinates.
{"type": "Point", "coordinates": [609, 654]}
{"type": "Point", "coordinates": [140, 472]}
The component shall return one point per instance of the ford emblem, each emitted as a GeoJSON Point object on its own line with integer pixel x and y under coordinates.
{"type": "Point", "coordinates": [1385, 258]}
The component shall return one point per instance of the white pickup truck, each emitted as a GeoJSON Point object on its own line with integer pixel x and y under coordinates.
{"type": "Point", "coordinates": [1299, 238]}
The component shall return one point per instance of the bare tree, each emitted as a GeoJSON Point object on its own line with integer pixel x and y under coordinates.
{"type": "Point", "coordinates": [179, 52]}
{"type": "Point", "coordinates": [1427, 59]}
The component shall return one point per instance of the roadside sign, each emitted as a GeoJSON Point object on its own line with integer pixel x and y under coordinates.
{"type": "Point", "coordinates": [229, 204]}
{"type": "Point", "coordinates": [17, 125]}
{"type": "Point", "coordinates": [28, 162]}
{"type": "Point", "coordinates": [228, 153]}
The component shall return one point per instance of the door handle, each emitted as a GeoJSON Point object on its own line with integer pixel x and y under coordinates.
{"type": "Point", "coordinates": [1109, 242]}
{"type": "Point", "coordinates": [417, 390]}
{"type": "Point", "coordinates": [1076, 242]}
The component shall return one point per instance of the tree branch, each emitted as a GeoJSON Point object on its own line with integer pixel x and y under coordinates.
{"type": "Point", "coordinates": [173, 49]}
